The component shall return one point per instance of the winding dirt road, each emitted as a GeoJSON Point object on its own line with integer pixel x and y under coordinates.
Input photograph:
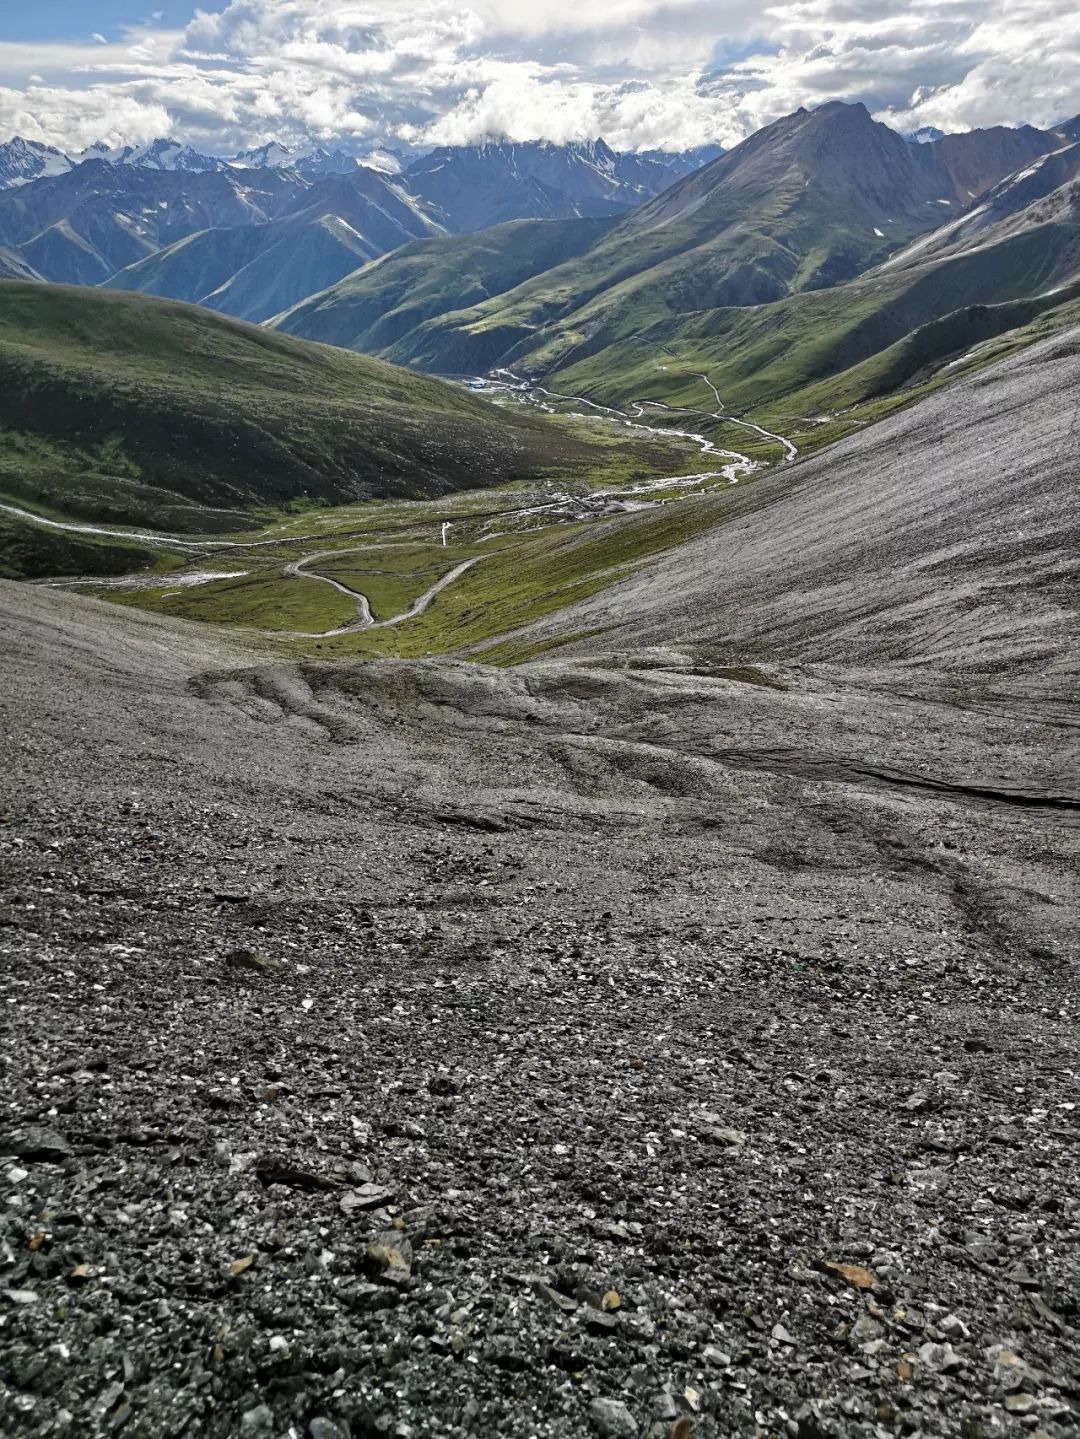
{"type": "Point", "coordinates": [731, 472]}
{"type": "Point", "coordinates": [365, 620]}
{"type": "Point", "coordinates": [593, 505]}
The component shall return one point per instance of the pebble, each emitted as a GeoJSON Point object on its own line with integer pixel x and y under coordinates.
{"type": "Point", "coordinates": [613, 1419]}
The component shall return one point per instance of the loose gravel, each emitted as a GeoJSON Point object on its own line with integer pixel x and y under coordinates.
{"type": "Point", "coordinates": [422, 1050]}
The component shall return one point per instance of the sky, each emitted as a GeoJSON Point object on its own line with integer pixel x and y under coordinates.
{"type": "Point", "coordinates": [229, 74]}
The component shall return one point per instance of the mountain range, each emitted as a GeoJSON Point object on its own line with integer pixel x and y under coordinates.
{"type": "Point", "coordinates": [22, 161]}
{"type": "Point", "coordinates": [807, 252]}
{"type": "Point", "coordinates": [816, 245]}
{"type": "Point", "coordinates": [258, 233]}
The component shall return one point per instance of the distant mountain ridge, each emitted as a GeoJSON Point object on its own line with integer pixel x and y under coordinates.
{"type": "Point", "coordinates": [478, 186]}
{"type": "Point", "coordinates": [22, 160]}
{"type": "Point", "coordinates": [809, 202]}
{"type": "Point", "coordinates": [257, 234]}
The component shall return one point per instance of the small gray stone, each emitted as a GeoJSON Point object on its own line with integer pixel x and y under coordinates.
{"type": "Point", "coordinates": [731, 1138]}
{"type": "Point", "coordinates": [1020, 1403]}
{"type": "Point", "coordinates": [20, 1296]}
{"type": "Point", "coordinates": [612, 1419]}
{"type": "Point", "coordinates": [865, 1328]}
{"type": "Point", "coordinates": [389, 1257]}
{"type": "Point", "coordinates": [257, 1420]}
{"type": "Point", "coordinates": [916, 1103]}
{"type": "Point", "coordinates": [366, 1196]}
{"type": "Point", "coordinates": [941, 1357]}
{"type": "Point", "coordinates": [40, 1145]}
{"type": "Point", "coordinates": [558, 1301]}
{"type": "Point", "coordinates": [320, 1428]}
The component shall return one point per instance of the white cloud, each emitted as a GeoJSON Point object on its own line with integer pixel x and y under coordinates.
{"type": "Point", "coordinates": [642, 73]}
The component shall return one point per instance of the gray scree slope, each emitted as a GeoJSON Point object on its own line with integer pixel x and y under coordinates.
{"type": "Point", "coordinates": [422, 1049]}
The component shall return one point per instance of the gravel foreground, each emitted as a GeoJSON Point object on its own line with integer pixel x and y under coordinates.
{"type": "Point", "coordinates": [626, 1046]}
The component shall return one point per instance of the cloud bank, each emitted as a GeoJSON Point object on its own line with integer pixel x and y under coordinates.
{"type": "Point", "coordinates": [642, 73]}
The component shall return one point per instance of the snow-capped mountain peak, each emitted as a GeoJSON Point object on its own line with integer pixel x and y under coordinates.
{"type": "Point", "coordinates": [271, 156]}
{"type": "Point", "coordinates": [24, 160]}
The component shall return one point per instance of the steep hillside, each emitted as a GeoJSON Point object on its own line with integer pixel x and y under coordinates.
{"type": "Point", "coordinates": [1040, 192]}
{"type": "Point", "coordinates": [384, 303]}
{"type": "Point", "coordinates": [944, 538]}
{"type": "Point", "coordinates": [823, 350]}
{"type": "Point", "coordinates": [806, 203]}
{"type": "Point", "coordinates": [105, 395]}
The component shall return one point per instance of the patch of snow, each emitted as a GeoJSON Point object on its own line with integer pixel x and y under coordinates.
{"type": "Point", "coordinates": [152, 582]}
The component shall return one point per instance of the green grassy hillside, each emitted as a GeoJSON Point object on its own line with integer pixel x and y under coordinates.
{"type": "Point", "coordinates": [124, 407]}
{"type": "Point", "coordinates": [382, 304]}
{"type": "Point", "coordinates": [820, 350]}
{"type": "Point", "coordinates": [805, 204]}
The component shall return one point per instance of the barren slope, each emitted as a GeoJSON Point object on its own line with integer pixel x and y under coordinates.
{"type": "Point", "coordinates": [605, 1003]}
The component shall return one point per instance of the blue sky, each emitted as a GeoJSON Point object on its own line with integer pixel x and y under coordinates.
{"type": "Point", "coordinates": [79, 19]}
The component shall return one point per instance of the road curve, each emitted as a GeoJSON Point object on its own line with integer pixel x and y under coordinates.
{"type": "Point", "coordinates": [365, 620]}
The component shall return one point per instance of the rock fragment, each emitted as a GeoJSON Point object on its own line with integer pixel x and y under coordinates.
{"type": "Point", "coordinates": [612, 1419]}
{"type": "Point", "coordinates": [40, 1145]}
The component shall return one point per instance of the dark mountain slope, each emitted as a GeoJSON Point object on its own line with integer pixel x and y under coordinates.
{"type": "Point", "coordinates": [979, 159]}
{"type": "Point", "coordinates": [231, 415]}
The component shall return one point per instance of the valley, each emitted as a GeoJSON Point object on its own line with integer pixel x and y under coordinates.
{"type": "Point", "coordinates": [681, 907]}
{"type": "Point", "coordinates": [321, 579]}
{"type": "Point", "coordinates": [541, 773]}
